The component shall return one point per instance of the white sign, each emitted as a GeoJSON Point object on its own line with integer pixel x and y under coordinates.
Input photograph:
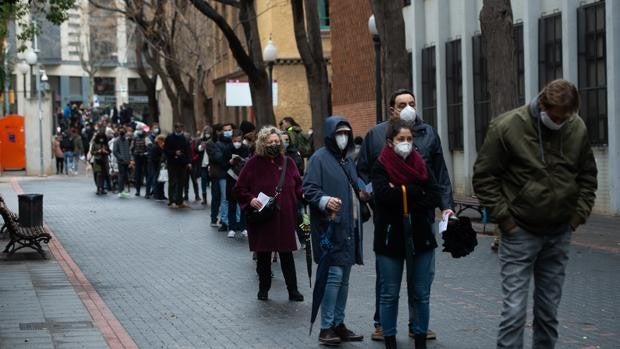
{"type": "Point", "coordinates": [238, 93]}
{"type": "Point", "coordinates": [123, 91]}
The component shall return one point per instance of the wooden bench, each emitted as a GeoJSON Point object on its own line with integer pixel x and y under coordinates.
{"type": "Point", "coordinates": [468, 203]}
{"type": "Point", "coordinates": [21, 237]}
{"type": "Point", "coordinates": [14, 217]}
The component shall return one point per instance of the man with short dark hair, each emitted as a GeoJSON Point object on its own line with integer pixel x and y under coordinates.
{"type": "Point", "coordinates": [123, 157]}
{"type": "Point", "coordinates": [178, 159]}
{"type": "Point", "coordinates": [536, 175]}
{"type": "Point", "coordinates": [427, 143]}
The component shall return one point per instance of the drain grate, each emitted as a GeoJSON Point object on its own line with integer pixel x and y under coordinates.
{"type": "Point", "coordinates": [32, 326]}
{"type": "Point", "coordinates": [55, 325]}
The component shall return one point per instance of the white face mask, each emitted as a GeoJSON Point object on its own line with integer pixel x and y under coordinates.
{"type": "Point", "coordinates": [246, 143]}
{"type": "Point", "coordinates": [408, 113]}
{"type": "Point", "coordinates": [550, 124]}
{"type": "Point", "coordinates": [342, 140]}
{"type": "Point", "coordinates": [403, 149]}
{"type": "Point", "coordinates": [237, 145]}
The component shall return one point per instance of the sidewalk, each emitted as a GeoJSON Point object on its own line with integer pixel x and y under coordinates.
{"type": "Point", "coordinates": [174, 282]}
{"type": "Point", "coordinates": [39, 307]}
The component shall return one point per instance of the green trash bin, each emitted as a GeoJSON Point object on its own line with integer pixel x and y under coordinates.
{"type": "Point", "coordinates": [30, 210]}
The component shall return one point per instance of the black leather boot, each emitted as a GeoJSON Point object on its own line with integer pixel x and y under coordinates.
{"type": "Point", "coordinates": [263, 268]}
{"type": "Point", "coordinates": [390, 342]}
{"type": "Point", "coordinates": [290, 276]}
{"type": "Point", "coordinates": [420, 341]}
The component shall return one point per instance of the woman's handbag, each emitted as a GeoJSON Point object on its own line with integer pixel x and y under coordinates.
{"type": "Point", "coordinates": [163, 175]}
{"type": "Point", "coordinates": [255, 216]}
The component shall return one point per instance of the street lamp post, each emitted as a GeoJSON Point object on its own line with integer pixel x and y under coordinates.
{"type": "Point", "coordinates": [6, 77]}
{"type": "Point", "coordinates": [270, 54]}
{"type": "Point", "coordinates": [372, 27]}
{"type": "Point", "coordinates": [32, 59]}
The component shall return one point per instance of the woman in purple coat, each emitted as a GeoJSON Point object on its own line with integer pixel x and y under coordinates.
{"type": "Point", "coordinates": [261, 174]}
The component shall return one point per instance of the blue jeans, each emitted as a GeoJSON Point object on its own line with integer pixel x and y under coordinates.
{"type": "Point", "coordinates": [223, 202]}
{"type": "Point", "coordinates": [69, 162]}
{"type": "Point", "coordinates": [418, 289]}
{"type": "Point", "coordinates": [523, 255]}
{"type": "Point", "coordinates": [335, 299]}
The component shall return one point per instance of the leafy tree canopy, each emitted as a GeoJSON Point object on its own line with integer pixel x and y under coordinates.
{"type": "Point", "coordinates": [54, 11]}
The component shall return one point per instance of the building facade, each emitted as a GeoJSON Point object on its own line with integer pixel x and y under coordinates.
{"type": "Point", "coordinates": [275, 21]}
{"type": "Point", "coordinates": [570, 39]}
{"type": "Point", "coordinates": [90, 40]}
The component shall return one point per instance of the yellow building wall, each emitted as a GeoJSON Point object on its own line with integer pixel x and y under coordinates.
{"type": "Point", "coordinates": [274, 18]}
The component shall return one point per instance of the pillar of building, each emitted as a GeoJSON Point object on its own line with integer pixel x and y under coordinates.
{"type": "Point", "coordinates": [612, 13]}
{"type": "Point", "coordinates": [441, 18]}
{"type": "Point", "coordinates": [569, 45]}
{"type": "Point", "coordinates": [531, 13]}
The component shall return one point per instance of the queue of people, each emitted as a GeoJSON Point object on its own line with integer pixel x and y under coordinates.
{"type": "Point", "coordinates": [260, 184]}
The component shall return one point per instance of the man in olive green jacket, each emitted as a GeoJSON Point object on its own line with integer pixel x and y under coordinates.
{"type": "Point", "coordinates": [536, 175]}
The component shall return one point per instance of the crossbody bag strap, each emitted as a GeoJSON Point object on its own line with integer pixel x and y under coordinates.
{"type": "Point", "coordinates": [282, 175]}
{"type": "Point", "coordinates": [353, 185]}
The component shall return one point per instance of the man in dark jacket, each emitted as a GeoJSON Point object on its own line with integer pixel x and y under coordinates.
{"type": "Point", "coordinates": [220, 163]}
{"type": "Point", "coordinates": [330, 187]}
{"type": "Point", "coordinates": [178, 159]}
{"type": "Point", "coordinates": [536, 175]}
{"type": "Point", "coordinates": [427, 142]}
{"type": "Point", "coordinates": [122, 154]}
{"type": "Point", "coordinates": [139, 154]}
{"type": "Point", "coordinates": [239, 155]}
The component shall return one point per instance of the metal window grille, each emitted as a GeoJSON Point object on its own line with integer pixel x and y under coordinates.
{"type": "Point", "coordinates": [429, 86]}
{"type": "Point", "coordinates": [549, 49]}
{"type": "Point", "coordinates": [454, 86]}
{"type": "Point", "coordinates": [592, 70]}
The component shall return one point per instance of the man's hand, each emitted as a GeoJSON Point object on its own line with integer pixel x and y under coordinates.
{"type": "Point", "coordinates": [364, 197]}
{"type": "Point", "coordinates": [255, 203]}
{"type": "Point", "coordinates": [334, 204]}
{"type": "Point", "coordinates": [448, 212]}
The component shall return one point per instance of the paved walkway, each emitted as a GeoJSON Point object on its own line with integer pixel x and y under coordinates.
{"type": "Point", "coordinates": [168, 280]}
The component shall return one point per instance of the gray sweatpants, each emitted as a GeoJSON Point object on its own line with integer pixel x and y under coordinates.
{"type": "Point", "coordinates": [522, 254]}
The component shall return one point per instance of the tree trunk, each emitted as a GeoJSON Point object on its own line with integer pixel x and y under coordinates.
{"type": "Point", "coordinates": [250, 61]}
{"type": "Point", "coordinates": [497, 35]}
{"type": "Point", "coordinates": [309, 44]}
{"type": "Point", "coordinates": [149, 82]}
{"type": "Point", "coordinates": [394, 58]}
{"type": "Point", "coordinates": [262, 98]}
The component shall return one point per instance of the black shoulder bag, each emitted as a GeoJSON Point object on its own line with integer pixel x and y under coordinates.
{"type": "Point", "coordinates": [254, 216]}
{"type": "Point", "coordinates": [364, 209]}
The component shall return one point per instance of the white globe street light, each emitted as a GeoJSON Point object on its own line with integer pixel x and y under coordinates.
{"type": "Point", "coordinates": [31, 56]}
{"type": "Point", "coordinates": [270, 54]}
{"type": "Point", "coordinates": [372, 26]}
{"type": "Point", "coordinates": [23, 67]}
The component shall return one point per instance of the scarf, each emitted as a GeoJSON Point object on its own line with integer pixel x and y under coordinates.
{"type": "Point", "coordinates": [403, 171]}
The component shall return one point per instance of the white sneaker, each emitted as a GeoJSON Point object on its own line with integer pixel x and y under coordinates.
{"type": "Point", "coordinates": [231, 234]}
{"type": "Point", "coordinates": [244, 233]}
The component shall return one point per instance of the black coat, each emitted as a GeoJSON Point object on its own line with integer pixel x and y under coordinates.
{"type": "Point", "coordinates": [422, 199]}
{"type": "Point", "coordinates": [174, 143]}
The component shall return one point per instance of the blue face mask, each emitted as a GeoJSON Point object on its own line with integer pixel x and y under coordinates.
{"type": "Point", "coordinates": [227, 134]}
